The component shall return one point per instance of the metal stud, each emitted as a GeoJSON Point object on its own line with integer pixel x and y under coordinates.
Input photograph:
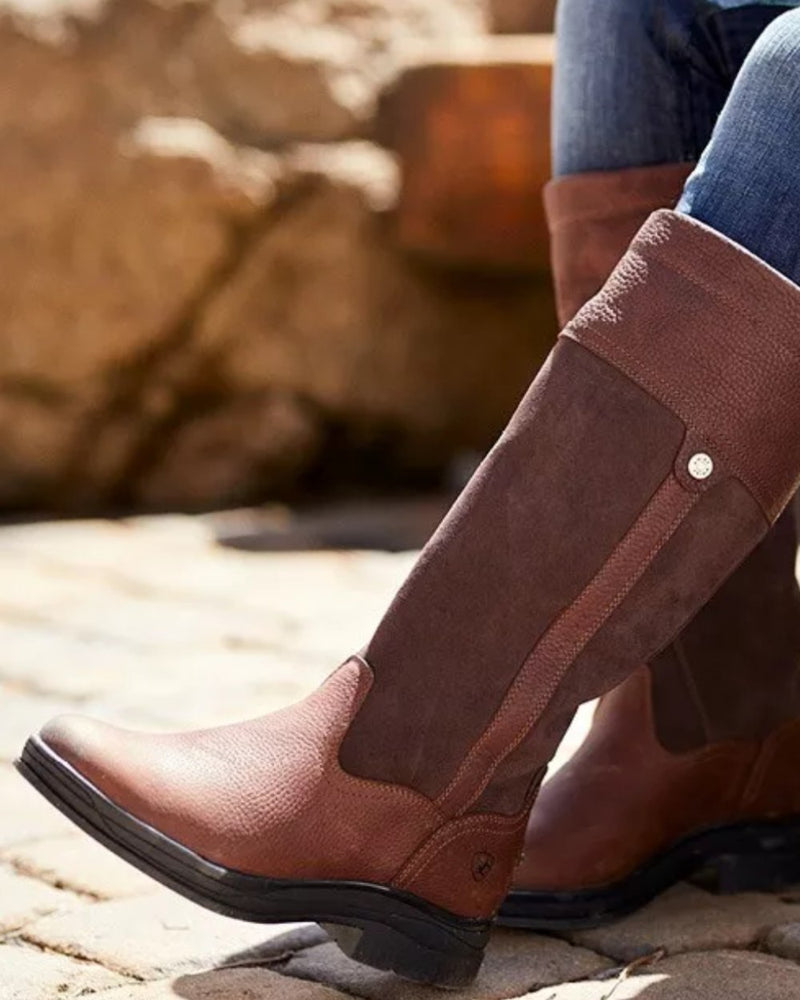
{"type": "Point", "coordinates": [701, 466]}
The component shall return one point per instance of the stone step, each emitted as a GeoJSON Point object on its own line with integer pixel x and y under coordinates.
{"type": "Point", "coordinates": [517, 16]}
{"type": "Point", "coordinates": [471, 127]}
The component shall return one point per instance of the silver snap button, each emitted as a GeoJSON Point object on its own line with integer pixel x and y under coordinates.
{"type": "Point", "coordinates": [701, 465]}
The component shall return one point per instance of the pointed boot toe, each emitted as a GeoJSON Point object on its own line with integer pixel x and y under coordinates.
{"type": "Point", "coordinates": [78, 739]}
{"type": "Point", "coordinates": [92, 750]}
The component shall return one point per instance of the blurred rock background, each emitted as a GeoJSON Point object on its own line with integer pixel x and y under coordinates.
{"type": "Point", "coordinates": [255, 249]}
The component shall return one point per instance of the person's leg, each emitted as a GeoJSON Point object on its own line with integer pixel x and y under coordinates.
{"type": "Point", "coordinates": [615, 94]}
{"type": "Point", "coordinates": [704, 740]}
{"type": "Point", "coordinates": [747, 181]}
{"type": "Point", "coordinates": [641, 82]}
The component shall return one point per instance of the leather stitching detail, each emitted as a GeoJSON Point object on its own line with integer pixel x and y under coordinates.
{"type": "Point", "coordinates": [555, 651]}
{"type": "Point", "coordinates": [436, 843]}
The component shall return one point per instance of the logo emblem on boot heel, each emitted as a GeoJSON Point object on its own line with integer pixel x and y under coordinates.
{"type": "Point", "coordinates": [482, 865]}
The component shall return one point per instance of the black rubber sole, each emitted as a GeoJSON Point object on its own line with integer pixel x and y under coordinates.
{"type": "Point", "coordinates": [373, 924]}
{"type": "Point", "coordinates": [745, 857]}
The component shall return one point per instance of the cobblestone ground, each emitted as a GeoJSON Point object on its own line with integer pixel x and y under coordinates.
{"type": "Point", "coordinates": [149, 623]}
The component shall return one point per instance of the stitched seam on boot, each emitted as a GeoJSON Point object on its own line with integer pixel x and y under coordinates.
{"type": "Point", "coordinates": [433, 847]}
{"type": "Point", "coordinates": [480, 820]}
{"type": "Point", "coordinates": [733, 303]}
{"type": "Point", "coordinates": [659, 520]}
{"type": "Point", "coordinates": [691, 684]}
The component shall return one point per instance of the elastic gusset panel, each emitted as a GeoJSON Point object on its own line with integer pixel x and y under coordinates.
{"type": "Point", "coordinates": [734, 671]}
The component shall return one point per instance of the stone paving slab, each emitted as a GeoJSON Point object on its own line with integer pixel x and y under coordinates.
{"type": "Point", "coordinates": [89, 608]}
{"type": "Point", "coordinates": [80, 864]}
{"type": "Point", "coordinates": [23, 713]}
{"type": "Point", "coordinates": [147, 623]}
{"type": "Point", "coordinates": [24, 814]}
{"type": "Point", "coordinates": [27, 974]}
{"type": "Point", "coordinates": [226, 984]}
{"type": "Point", "coordinates": [686, 918]}
{"type": "Point", "coordinates": [191, 573]}
{"type": "Point", "coordinates": [515, 963]}
{"type": "Point", "coordinates": [719, 975]}
{"type": "Point", "coordinates": [161, 935]}
{"type": "Point", "coordinates": [785, 941]}
{"type": "Point", "coordinates": [23, 900]}
{"type": "Point", "coordinates": [179, 554]}
{"type": "Point", "coordinates": [149, 689]}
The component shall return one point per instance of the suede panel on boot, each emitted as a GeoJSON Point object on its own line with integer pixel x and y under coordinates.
{"type": "Point", "coordinates": [547, 677]}
{"type": "Point", "coordinates": [593, 217]}
{"type": "Point", "coordinates": [541, 517]}
{"type": "Point", "coordinates": [734, 672]}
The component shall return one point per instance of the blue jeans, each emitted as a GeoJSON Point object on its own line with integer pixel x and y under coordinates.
{"type": "Point", "coordinates": [641, 82]}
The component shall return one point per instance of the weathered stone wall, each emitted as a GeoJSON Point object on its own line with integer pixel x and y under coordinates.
{"type": "Point", "coordinates": [201, 297]}
{"type": "Point", "coordinates": [519, 16]}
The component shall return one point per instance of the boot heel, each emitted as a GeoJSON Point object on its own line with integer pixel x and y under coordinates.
{"type": "Point", "coordinates": [766, 872]}
{"type": "Point", "coordinates": [448, 964]}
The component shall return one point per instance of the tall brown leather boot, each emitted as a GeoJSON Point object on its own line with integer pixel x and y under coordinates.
{"type": "Point", "coordinates": [651, 454]}
{"type": "Point", "coordinates": [692, 763]}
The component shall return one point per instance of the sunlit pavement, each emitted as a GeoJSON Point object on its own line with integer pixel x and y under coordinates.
{"type": "Point", "coordinates": [150, 623]}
